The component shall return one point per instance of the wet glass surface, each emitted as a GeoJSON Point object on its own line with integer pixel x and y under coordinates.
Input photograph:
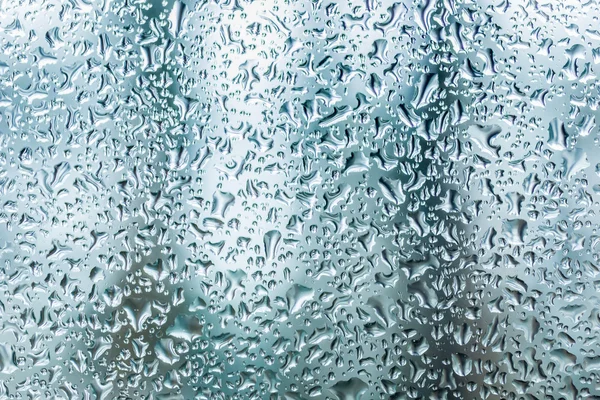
{"type": "Point", "coordinates": [299, 199]}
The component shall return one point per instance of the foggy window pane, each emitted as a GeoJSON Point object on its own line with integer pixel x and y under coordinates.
{"type": "Point", "coordinates": [296, 200]}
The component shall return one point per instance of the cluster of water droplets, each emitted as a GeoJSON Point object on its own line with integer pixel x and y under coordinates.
{"type": "Point", "coordinates": [299, 200]}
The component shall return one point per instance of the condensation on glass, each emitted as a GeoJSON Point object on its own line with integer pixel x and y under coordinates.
{"type": "Point", "coordinates": [299, 200]}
